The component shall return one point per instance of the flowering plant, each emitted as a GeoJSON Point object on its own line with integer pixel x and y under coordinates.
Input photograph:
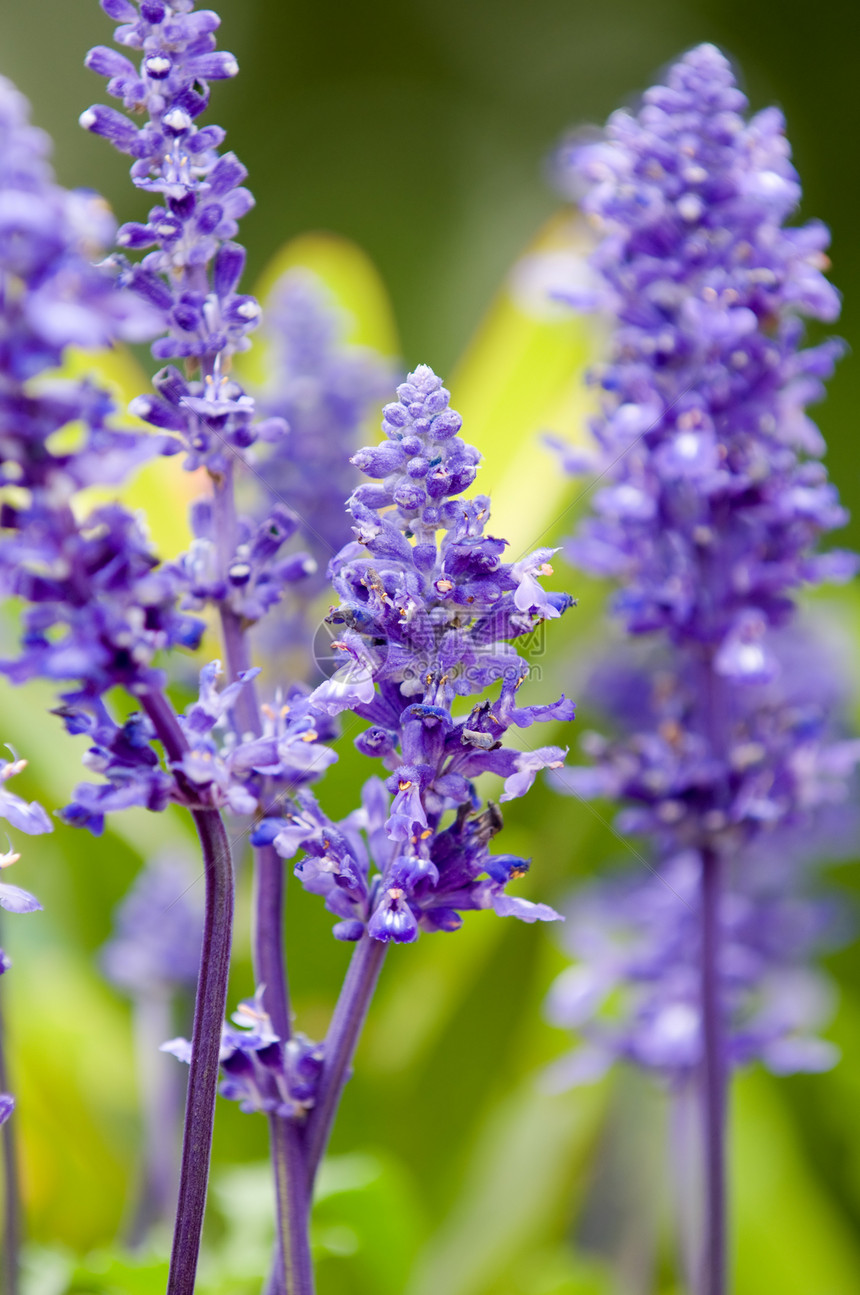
{"type": "Point", "coordinates": [427, 620]}
{"type": "Point", "coordinates": [328, 591]}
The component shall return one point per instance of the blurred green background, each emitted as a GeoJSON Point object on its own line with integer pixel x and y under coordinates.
{"type": "Point", "coordinates": [420, 131]}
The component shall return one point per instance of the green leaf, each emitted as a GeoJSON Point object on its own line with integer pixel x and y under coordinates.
{"type": "Point", "coordinates": [109, 1273]}
{"type": "Point", "coordinates": [517, 1190]}
{"type": "Point", "coordinates": [790, 1234]}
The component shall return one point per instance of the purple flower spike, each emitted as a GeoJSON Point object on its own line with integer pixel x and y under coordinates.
{"type": "Point", "coordinates": [98, 606]}
{"type": "Point", "coordinates": [7, 1106]}
{"type": "Point", "coordinates": [324, 389]}
{"type": "Point", "coordinates": [427, 610]}
{"type": "Point", "coordinates": [190, 273]}
{"type": "Point", "coordinates": [711, 507]}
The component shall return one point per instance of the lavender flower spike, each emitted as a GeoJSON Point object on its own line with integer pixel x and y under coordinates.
{"type": "Point", "coordinates": [428, 609]}
{"type": "Point", "coordinates": [427, 614]}
{"type": "Point", "coordinates": [191, 276]}
{"type": "Point", "coordinates": [324, 389]}
{"type": "Point", "coordinates": [191, 273]}
{"type": "Point", "coordinates": [704, 412]}
{"type": "Point", "coordinates": [713, 501]}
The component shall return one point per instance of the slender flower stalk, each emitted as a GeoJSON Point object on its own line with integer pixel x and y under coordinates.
{"type": "Point", "coordinates": [209, 1007]}
{"type": "Point", "coordinates": [712, 501]}
{"type": "Point", "coordinates": [203, 1074]}
{"type": "Point", "coordinates": [193, 275]}
{"type": "Point", "coordinates": [340, 1044]}
{"type": "Point", "coordinates": [714, 1071]}
{"type": "Point", "coordinates": [422, 620]}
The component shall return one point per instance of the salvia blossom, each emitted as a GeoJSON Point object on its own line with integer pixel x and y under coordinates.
{"type": "Point", "coordinates": [191, 276]}
{"type": "Point", "coordinates": [714, 500]}
{"type": "Point", "coordinates": [713, 508]}
{"type": "Point", "coordinates": [633, 992]}
{"type": "Point", "coordinates": [98, 606]}
{"type": "Point", "coordinates": [193, 272]}
{"type": "Point", "coordinates": [427, 609]}
{"type": "Point", "coordinates": [708, 515]}
{"type": "Point", "coordinates": [780, 761]}
{"type": "Point", "coordinates": [217, 767]}
{"type": "Point", "coordinates": [155, 945]}
{"type": "Point", "coordinates": [261, 1071]}
{"type": "Point", "coordinates": [324, 388]}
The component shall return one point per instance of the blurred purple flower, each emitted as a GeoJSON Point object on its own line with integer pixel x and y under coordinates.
{"type": "Point", "coordinates": [324, 388]}
{"type": "Point", "coordinates": [155, 946]}
{"type": "Point", "coordinates": [633, 990]}
{"type": "Point", "coordinates": [261, 1072]}
{"type": "Point", "coordinates": [708, 515]}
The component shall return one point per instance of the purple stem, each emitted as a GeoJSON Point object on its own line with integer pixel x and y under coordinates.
{"type": "Point", "coordinates": [269, 960]}
{"type": "Point", "coordinates": [292, 1269]}
{"type": "Point", "coordinates": [11, 1187]}
{"type": "Point", "coordinates": [713, 1082]}
{"type": "Point", "coordinates": [340, 1045]}
{"type": "Point", "coordinates": [269, 966]}
{"type": "Point", "coordinates": [209, 1008]}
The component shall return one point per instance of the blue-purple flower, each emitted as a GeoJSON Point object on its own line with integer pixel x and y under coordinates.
{"type": "Point", "coordinates": [155, 945]}
{"type": "Point", "coordinates": [98, 607]}
{"type": "Point", "coordinates": [711, 501]}
{"type": "Point", "coordinates": [260, 1071]}
{"type": "Point", "coordinates": [192, 267]}
{"type": "Point", "coordinates": [241, 774]}
{"type": "Point", "coordinates": [190, 275]}
{"type": "Point", "coordinates": [428, 608]}
{"type": "Point", "coordinates": [723, 741]}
